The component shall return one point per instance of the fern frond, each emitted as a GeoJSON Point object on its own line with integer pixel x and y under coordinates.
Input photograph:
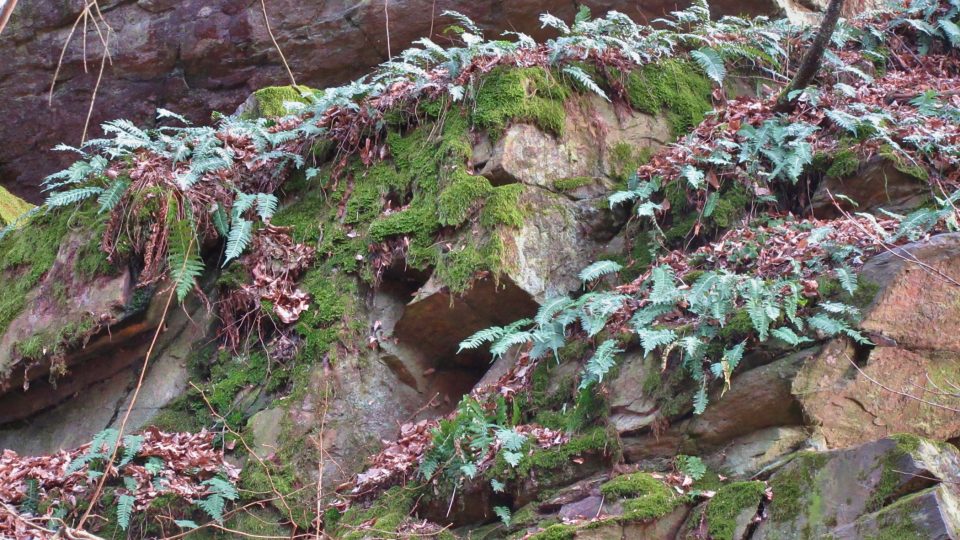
{"type": "Point", "coordinates": [598, 270]}
{"type": "Point", "coordinates": [112, 195]}
{"type": "Point", "coordinates": [584, 80]}
{"type": "Point", "coordinates": [73, 196]}
{"type": "Point", "coordinates": [240, 235]}
{"type": "Point", "coordinates": [711, 63]}
{"type": "Point", "coordinates": [124, 510]}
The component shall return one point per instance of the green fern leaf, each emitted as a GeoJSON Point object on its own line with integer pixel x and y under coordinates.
{"type": "Point", "coordinates": [73, 196]}
{"type": "Point", "coordinates": [598, 270]}
{"type": "Point", "coordinates": [712, 64]}
{"type": "Point", "coordinates": [124, 510]}
{"type": "Point", "coordinates": [951, 30]}
{"type": "Point", "coordinates": [240, 235]}
{"type": "Point", "coordinates": [848, 280]}
{"type": "Point", "coordinates": [112, 195]}
{"type": "Point", "coordinates": [584, 80]}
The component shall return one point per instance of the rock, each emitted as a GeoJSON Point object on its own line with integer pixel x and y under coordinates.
{"type": "Point", "coordinates": [559, 238]}
{"type": "Point", "coordinates": [759, 398]}
{"type": "Point", "coordinates": [11, 207]}
{"type": "Point", "coordinates": [856, 394]}
{"type": "Point", "coordinates": [933, 513]}
{"type": "Point", "coordinates": [592, 129]}
{"type": "Point", "coordinates": [744, 456]}
{"type": "Point", "coordinates": [631, 407]}
{"type": "Point", "coordinates": [96, 393]}
{"type": "Point", "coordinates": [663, 528]}
{"type": "Point", "coordinates": [436, 321]}
{"type": "Point", "coordinates": [265, 429]}
{"type": "Point", "coordinates": [840, 493]}
{"type": "Point", "coordinates": [198, 56]}
{"type": "Point", "coordinates": [876, 183]}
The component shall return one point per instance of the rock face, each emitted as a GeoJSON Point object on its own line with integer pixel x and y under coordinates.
{"type": "Point", "coordinates": [196, 56]}
{"type": "Point", "coordinates": [895, 488]}
{"type": "Point", "coordinates": [874, 184]}
{"type": "Point", "coordinates": [856, 394]}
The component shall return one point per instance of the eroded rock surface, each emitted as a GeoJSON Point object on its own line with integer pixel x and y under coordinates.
{"type": "Point", "coordinates": [196, 56]}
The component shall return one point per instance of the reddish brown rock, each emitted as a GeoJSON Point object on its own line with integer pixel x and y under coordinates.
{"type": "Point", "coordinates": [905, 383]}
{"type": "Point", "coordinates": [198, 56]}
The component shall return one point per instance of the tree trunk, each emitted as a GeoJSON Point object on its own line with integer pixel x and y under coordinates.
{"type": "Point", "coordinates": [812, 59]}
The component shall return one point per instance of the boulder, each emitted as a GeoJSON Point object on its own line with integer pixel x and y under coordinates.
{"type": "Point", "coordinates": [11, 207]}
{"type": "Point", "coordinates": [886, 488]}
{"type": "Point", "coordinates": [903, 383]}
{"type": "Point", "coordinates": [876, 183]}
{"type": "Point", "coordinates": [67, 412]}
{"type": "Point", "coordinates": [584, 151]}
{"type": "Point", "coordinates": [747, 455]}
{"type": "Point", "coordinates": [559, 238]}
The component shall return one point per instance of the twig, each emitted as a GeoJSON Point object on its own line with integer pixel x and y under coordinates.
{"type": "Point", "coordinates": [320, 447]}
{"type": "Point", "coordinates": [133, 401]}
{"type": "Point", "coordinates": [386, 14]}
{"type": "Point", "coordinates": [904, 394]}
{"type": "Point", "coordinates": [250, 451]}
{"type": "Point", "coordinates": [895, 251]}
{"type": "Point", "coordinates": [65, 532]}
{"type": "Point", "coordinates": [266, 21]}
{"type": "Point", "coordinates": [93, 96]}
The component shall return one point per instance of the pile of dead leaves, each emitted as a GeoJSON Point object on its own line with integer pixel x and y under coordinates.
{"type": "Point", "coordinates": [165, 464]}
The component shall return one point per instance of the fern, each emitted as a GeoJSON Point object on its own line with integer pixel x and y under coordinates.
{"type": "Point", "coordinates": [112, 195]}
{"type": "Point", "coordinates": [691, 466]}
{"type": "Point", "coordinates": [602, 361]}
{"type": "Point", "coordinates": [711, 63]}
{"type": "Point", "coordinates": [124, 510]}
{"type": "Point", "coordinates": [73, 196]}
{"type": "Point", "coordinates": [185, 266]}
{"type": "Point", "coordinates": [584, 80]}
{"type": "Point", "coordinates": [240, 235]}
{"type": "Point", "coordinates": [131, 447]}
{"type": "Point", "coordinates": [504, 514]}
{"type": "Point", "coordinates": [598, 270]}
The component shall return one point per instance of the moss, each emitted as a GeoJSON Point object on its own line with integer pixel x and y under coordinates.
{"type": "Point", "coordinates": [631, 485]}
{"type": "Point", "coordinates": [556, 532]}
{"type": "Point", "coordinates": [729, 502]}
{"type": "Point", "coordinates": [904, 164]}
{"type": "Point", "coordinates": [383, 516]}
{"type": "Point", "coordinates": [829, 288]}
{"type": "Point", "coordinates": [524, 94]}
{"type": "Point", "coordinates": [897, 521]}
{"type": "Point", "coordinates": [28, 253]}
{"type": "Point", "coordinates": [11, 207]}
{"type": "Point", "coordinates": [55, 341]}
{"type": "Point", "coordinates": [257, 521]}
{"type": "Point", "coordinates": [458, 267]}
{"type": "Point", "coordinates": [272, 100]}
{"type": "Point", "coordinates": [596, 441]}
{"type": "Point", "coordinates": [623, 160]}
{"type": "Point", "coordinates": [570, 184]}
{"type": "Point", "coordinates": [793, 487]}
{"type": "Point", "coordinates": [737, 327]}
{"type": "Point", "coordinates": [644, 497]}
{"type": "Point", "coordinates": [677, 86]}
{"type": "Point", "coordinates": [503, 207]}
{"type": "Point", "coordinates": [843, 163]}
{"type": "Point", "coordinates": [465, 194]}
{"type": "Point", "coordinates": [890, 479]}
{"type": "Point", "coordinates": [731, 205]}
